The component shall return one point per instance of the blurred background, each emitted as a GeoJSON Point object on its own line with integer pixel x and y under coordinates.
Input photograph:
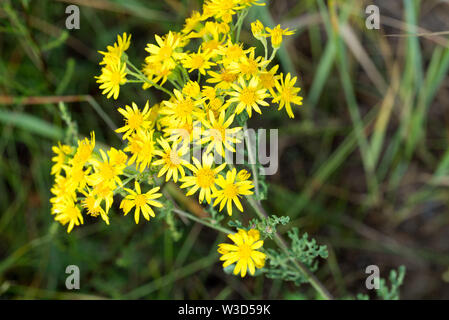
{"type": "Point", "coordinates": [364, 167]}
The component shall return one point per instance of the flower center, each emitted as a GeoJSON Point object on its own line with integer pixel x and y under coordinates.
{"type": "Point", "coordinates": [197, 61]}
{"type": "Point", "coordinates": [106, 171]}
{"type": "Point", "coordinates": [249, 67]}
{"type": "Point", "coordinates": [286, 95]}
{"type": "Point", "coordinates": [205, 177]}
{"type": "Point", "coordinates": [165, 52]}
{"type": "Point", "coordinates": [217, 134]}
{"type": "Point", "coordinates": [244, 251]}
{"type": "Point", "coordinates": [135, 121]}
{"type": "Point", "coordinates": [172, 158]}
{"type": "Point", "coordinates": [116, 78]}
{"type": "Point", "coordinates": [267, 80]}
{"type": "Point", "coordinates": [228, 76]}
{"type": "Point", "coordinates": [248, 96]}
{"type": "Point", "coordinates": [230, 191]}
{"type": "Point", "coordinates": [140, 200]}
{"type": "Point", "coordinates": [185, 108]}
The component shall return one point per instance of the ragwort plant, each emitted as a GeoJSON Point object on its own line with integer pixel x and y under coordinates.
{"type": "Point", "coordinates": [213, 84]}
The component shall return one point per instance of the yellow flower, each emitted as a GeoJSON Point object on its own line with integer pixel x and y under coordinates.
{"type": "Point", "coordinates": [268, 79]}
{"type": "Point", "coordinates": [222, 9]}
{"type": "Point", "coordinates": [223, 79]}
{"type": "Point", "coordinates": [104, 192]}
{"type": "Point", "coordinates": [182, 109]}
{"type": "Point", "coordinates": [231, 190]}
{"type": "Point", "coordinates": [62, 189]}
{"type": "Point", "coordinates": [243, 175]}
{"type": "Point", "coordinates": [257, 29]}
{"type": "Point", "coordinates": [171, 159]}
{"type": "Point", "coordinates": [183, 134]}
{"type": "Point", "coordinates": [249, 96]}
{"type": "Point", "coordinates": [276, 35]}
{"type": "Point", "coordinates": [134, 119]}
{"type": "Point", "coordinates": [219, 134]}
{"type": "Point", "coordinates": [114, 53]}
{"type": "Point", "coordinates": [192, 89]}
{"type": "Point", "coordinates": [198, 61]}
{"type": "Point", "coordinates": [156, 71]}
{"type": "Point", "coordinates": [84, 151]}
{"type": "Point", "coordinates": [106, 171]}
{"type": "Point", "coordinates": [248, 66]}
{"type": "Point", "coordinates": [203, 178]}
{"type": "Point", "coordinates": [141, 146]}
{"type": "Point", "coordinates": [111, 78]}
{"type": "Point", "coordinates": [61, 151]}
{"type": "Point", "coordinates": [68, 212]}
{"type": "Point", "coordinates": [192, 22]}
{"type": "Point", "coordinates": [244, 251]}
{"type": "Point", "coordinates": [165, 52]}
{"type": "Point", "coordinates": [287, 94]}
{"type": "Point", "coordinates": [231, 52]}
{"type": "Point", "coordinates": [142, 202]}
{"type": "Point", "coordinates": [92, 204]}
{"type": "Point", "coordinates": [77, 175]}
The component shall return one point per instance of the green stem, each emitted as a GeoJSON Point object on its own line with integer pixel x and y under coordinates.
{"type": "Point", "coordinates": [139, 75]}
{"type": "Point", "coordinates": [202, 221]}
{"type": "Point", "coordinates": [316, 284]}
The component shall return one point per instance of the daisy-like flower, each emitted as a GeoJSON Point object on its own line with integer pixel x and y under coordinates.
{"type": "Point", "coordinates": [218, 133]}
{"type": "Point", "coordinates": [184, 134]}
{"type": "Point", "coordinates": [222, 9]}
{"type": "Point", "coordinates": [77, 176]}
{"type": "Point", "coordinates": [203, 178]}
{"type": "Point", "coordinates": [134, 119]}
{"type": "Point", "coordinates": [182, 109]}
{"type": "Point", "coordinates": [248, 66]}
{"type": "Point", "coordinates": [198, 61]}
{"type": "Point", "coordinates": [141, 146]}
{"type": "Point", "coordinates": [92, 205]}
{"type": "Point", "coordinates": [287, 94]}
{"type": "Point", "coordinates": [156, 71]}
{"type": "Point", "coordinates": [171, 160]}
{"type": "Point", "coordinates": [231, 190]}
{"type": "Point", "coordinates": [276, 35]}
{"type": "Point", "coordinates": [244, 251]}
{"type": "Point", "coordinates": [230, 52]}
{"type": "Point", "coordinates": [62, 189]}
{"type": "Point", "coordinates": [257, 28]}
{"type": "Point", "coordinates": [223, 79]}
{"type": "Point", "coordinates": [249, 96]}
{"type": "Point", "coordinates": [192, 89]}
{"type": "Point", "coordinates": [165, 51]}
{"type": "Point", "coordinates": [268, 78]}
{"type": "Point", "coordinates": [104, 191]}
{"type": "Point", "coordinates": [191, 22]}
{"type": "Point", "coordinates": [114, 52]}
{"type": "Point", "coordinates": [61, 151]}
{"type": "Point", "coordinates": [83, 151]}
{"type": "Point", "coordinates": [106, 171]}
{"type": "Point", "coordinates": [142, 202]}
{"type": "Point", "coordinates": [111, 78]}
{"type": "Point", "coordinates": [67, 212]}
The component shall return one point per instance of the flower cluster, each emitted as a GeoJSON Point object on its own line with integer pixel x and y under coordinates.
{"type": "Point", "coordinates": [212, 83]}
